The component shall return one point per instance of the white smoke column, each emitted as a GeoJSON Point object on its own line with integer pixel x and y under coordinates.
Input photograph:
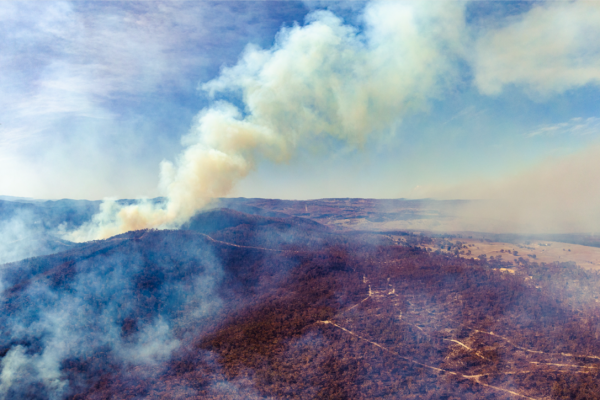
{"type": "Point", "coordinates": [323, 79]}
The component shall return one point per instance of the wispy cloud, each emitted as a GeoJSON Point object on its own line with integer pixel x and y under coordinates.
{"type": "Point", "coordinates": [97, 91]}
{"type": "Point", "coordinates": [73, 61]}
{"type": "Point", "coordinates": [78, 77]}
{"type": "Point", "coordinates": [575, 126]}
{"type": "Point", "coordinates": [469, 112]}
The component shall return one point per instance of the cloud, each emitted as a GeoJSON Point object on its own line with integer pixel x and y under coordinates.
{"type": "Point", "coordinates": [574, 126]}
{"type": "Point", "coordinates": [74, 56]}
{"type": "Point", "coordinates": [78, 80]}
{"type": "Point", "coordinates": [470, 112]}
{"type": "Point", "coordinates": [321, 81]}
{"type": "Point", "coordinates": [548, 50]}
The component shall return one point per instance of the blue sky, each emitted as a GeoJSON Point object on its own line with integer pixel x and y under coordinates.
{"type": "Point", "coordinates": [460, 99]}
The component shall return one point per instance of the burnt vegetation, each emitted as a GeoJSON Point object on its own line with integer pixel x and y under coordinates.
{"type": "Point", "coordinates": [240, 305]}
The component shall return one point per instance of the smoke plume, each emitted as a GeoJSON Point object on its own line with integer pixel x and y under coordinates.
{"type": "Point", "coordinates": [323, 81]}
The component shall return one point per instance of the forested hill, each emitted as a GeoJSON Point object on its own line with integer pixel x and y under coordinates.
{"type": "Point", "coordinates": [265, 306]}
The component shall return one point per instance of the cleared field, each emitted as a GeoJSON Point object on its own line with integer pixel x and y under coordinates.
{"type": "Point", "coordinates": [539, 251]}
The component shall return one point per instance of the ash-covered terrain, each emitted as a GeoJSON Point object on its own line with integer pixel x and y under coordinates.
{"type": "Point", "coordinates": [270, 299]}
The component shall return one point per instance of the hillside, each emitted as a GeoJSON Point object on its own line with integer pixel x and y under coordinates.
{"type": "Point", "coordinates": [31, 228]}
{"type": "Point", "coordinates": [245, 305]}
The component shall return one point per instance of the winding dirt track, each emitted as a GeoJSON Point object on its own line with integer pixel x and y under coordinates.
{"type": "Point", "coordinates": [516, 346]}
{"type": "Point", "coordinates": [473, 378]}
{"type": "Point", "coordinates": [218, 242]}
{"type": "Point", "coordinates": [581, 369]}
{"type": "Point", "coordinates": [534, 351]}
{"type": "Point", "coordinates": [507, 340]}
{"type": "Point", "coordinates": [243, 247]}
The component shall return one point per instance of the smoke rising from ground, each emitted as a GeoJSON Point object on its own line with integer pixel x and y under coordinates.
{"type": "Point", "coordinates": [559, 195]}
{"type": "Point", "coordinates": [14, 235]}
{"type": "Point", "coordinates": [329, 83]}
{"type": "Point", "coordinates": [22, 235]}
{"type": "Point", "coordinates": [129, 302]}
{"type": "Point", "coordinates": [319, 82]}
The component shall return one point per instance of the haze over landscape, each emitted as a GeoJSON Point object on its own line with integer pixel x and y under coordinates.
{"type": "Point", "coordinates": [304, 100]}
{"type": "Point", "coordinates": [256, 199]}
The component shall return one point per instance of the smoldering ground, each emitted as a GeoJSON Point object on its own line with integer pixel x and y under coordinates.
{"type": "Point", "coordinates": [18, 238]}
{"type": "Point", "coordinates": [122, 306]}
{"type": "Point", "coordinates": [130, 302]}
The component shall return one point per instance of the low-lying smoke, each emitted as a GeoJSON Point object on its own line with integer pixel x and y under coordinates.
{"type": "Point", "coordinates": [14, 235]}
{"type": "Point", "coordinates": [560, 195]}
{"type": "Point", "coordinates": [117, 308]}
{"type": "Point", "coordinates": [22, 236]}
{"type": "Point", "coordinates": [321, 80]}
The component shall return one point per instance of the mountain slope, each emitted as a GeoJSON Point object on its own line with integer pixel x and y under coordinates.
{"type": "Point", "coordinates": [249, 306]}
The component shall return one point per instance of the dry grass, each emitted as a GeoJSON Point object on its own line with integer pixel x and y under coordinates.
{"type": "Point", "coordinates": [544, 251]}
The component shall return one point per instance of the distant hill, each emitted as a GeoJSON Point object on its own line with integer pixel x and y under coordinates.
{"type": "Point", "coordinates": [223, 218]}
{"type": "Point", "coordinates": [20, 199]}
{"type": "Point", "coordinates": [361, 214]}
{"type": "Point", "coordinates": [30, 227]}
{"type": "Point", "coordinates": [258, 230]}
{"type": "Point", "coordinates": [48, 215]}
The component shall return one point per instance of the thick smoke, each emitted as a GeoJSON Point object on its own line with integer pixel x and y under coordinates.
{"type": "Point", "coordinates": [321, 81]}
